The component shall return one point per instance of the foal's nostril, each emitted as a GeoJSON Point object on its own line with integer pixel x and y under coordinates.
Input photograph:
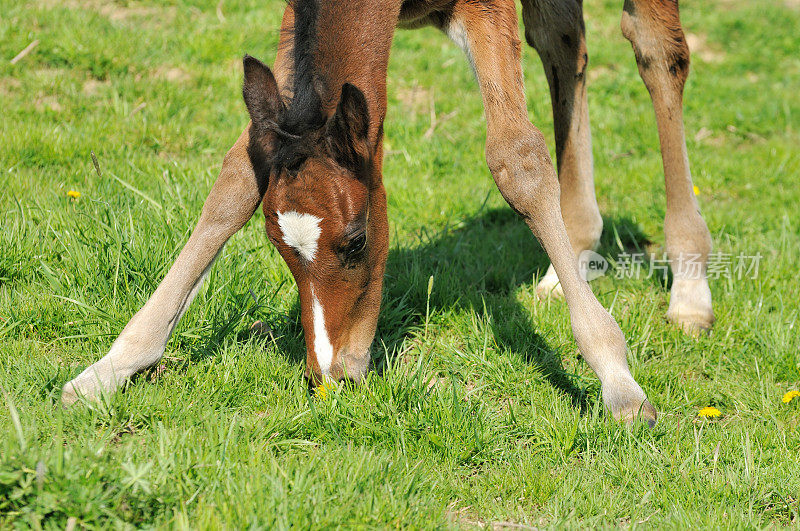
{"type": "Point", "coordinates": [352, 367]}
{"type": "Point", "coordinates": [345, 368]}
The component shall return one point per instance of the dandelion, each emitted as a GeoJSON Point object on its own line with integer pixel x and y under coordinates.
{"type": "Point", "coordinates": [709, 412]}
{"type": "Point", "coordinates": [322, 391]}
{"type": "Point", "coordinates": [791, 395]}
{"type": "Point", "coordinates": [74, 194]}
{"type": "Point", "coordinates": [696, 190]}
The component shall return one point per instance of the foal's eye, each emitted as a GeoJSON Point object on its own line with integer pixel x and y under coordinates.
{"type": "Point", "coordinates": [353, 249]}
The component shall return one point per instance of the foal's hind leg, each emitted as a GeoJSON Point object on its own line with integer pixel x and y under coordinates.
{"type": "Point", "coordinates": [654, 29]}
{"type": "Point", "coordinates": [229, 205]}
{"type": "Point", "coordinates": [521, 167]}
{"type": "Point", "coordinates": [555, 29]}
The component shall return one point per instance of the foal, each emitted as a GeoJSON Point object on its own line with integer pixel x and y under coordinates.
{"type": "Point", "coordinates": [313, 155]}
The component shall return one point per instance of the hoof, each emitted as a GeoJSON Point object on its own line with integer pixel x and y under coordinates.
{"type": "Point", "coordinates": [638, 411]}
{"type": "Point", "coordinates": [90, 385]}
{"type": "Point", "coordinates": [549, 287]}
{"type": "Point", "coordinates": [628, 403]}
{"type": "Point", "coordinates": [694, 326]}
{"type": "Point", "coordinates": [690, 306]}
{"type": "Point", "coordinates": [260, 329]}
{"type": "Point", "coordinates": [73, 392]}
{"type": "Point", "coordinates": [68, 395]}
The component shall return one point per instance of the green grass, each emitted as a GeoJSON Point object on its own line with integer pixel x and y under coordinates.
{"type": "Point", "coordinates": [486, 413]}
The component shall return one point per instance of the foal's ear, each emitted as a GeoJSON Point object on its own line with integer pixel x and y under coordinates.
{"type": "Point", "coordinates": [348, 129]}
{"type": "Point", "coordinates": [260, 91]}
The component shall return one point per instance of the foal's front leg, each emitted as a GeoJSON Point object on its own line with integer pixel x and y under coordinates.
{"type": "Point", "coordinates": [230, 204]}
{"type": "Point", "coordinates": [234, 197]}
{"type": "Point", "coordinates": [521, 167]}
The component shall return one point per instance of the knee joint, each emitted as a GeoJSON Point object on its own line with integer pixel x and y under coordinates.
{"type": "Point", "coordinates": [522, 170]}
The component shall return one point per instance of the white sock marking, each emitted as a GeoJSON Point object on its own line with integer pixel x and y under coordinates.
{"type": "Point", "coordinates": [300, 231]}
{"type": "Point", "coordinates": [322, 345]}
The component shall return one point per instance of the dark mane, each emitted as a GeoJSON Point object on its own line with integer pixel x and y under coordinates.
{"type": "Point", "coordinates": [299, 129]}
{"type": "Point", "coordinates": [304, 112]}
{"type": "Point", "coordinates": [298, 126]}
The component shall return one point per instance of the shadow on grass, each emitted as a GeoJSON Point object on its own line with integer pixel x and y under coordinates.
{"type": "Point", "coordinates": [479, 263]}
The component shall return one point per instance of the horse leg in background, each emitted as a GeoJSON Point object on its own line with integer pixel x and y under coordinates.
{"type": "Point", "coordinates": [555, 29]}
{"type": "Point", "coordinates": [520, 164]}
{"type": "Point", "coordinates": [654, 29]}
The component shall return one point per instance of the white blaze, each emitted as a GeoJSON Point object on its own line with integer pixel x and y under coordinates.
{"type": "Point", "coordinates": [322, 344]}
{"type": "Point", "coordinates": [300, 231]}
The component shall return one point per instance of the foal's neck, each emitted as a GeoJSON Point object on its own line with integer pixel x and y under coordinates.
{"type": "Point", "coordinates": [352, 44]}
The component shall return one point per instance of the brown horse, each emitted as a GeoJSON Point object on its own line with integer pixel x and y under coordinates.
{"type": "Point", "coordinates": [313, 155]}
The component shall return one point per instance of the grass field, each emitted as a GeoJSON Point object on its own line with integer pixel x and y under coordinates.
{"type": "Point", "coordinates": [480, 412]}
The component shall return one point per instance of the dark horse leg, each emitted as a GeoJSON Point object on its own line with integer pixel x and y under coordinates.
{"type": "Point", "coordinates": [555, 29]}
{"type": "Point", "coordinates": [654, 29]}
{"type": "Point", "coordinates": [520, 164]}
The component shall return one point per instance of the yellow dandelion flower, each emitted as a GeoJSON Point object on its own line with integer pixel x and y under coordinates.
{"type": "Point", "coordinates": [696, 190]}
{"type": "Point", "coordinates": [74, 194]}
{"type": "Point", "coordinates": [791, 395]}
{"type": "Point", "coordinates": [323, 390]}
{"type": "Point", "coordinates": [709, 412]}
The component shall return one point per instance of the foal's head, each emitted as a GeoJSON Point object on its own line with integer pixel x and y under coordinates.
{"type": "Point", "coordinates": [325, 210]}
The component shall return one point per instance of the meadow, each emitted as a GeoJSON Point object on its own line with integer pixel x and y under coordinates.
{"type": "Point", "coordinates": [480, 412]}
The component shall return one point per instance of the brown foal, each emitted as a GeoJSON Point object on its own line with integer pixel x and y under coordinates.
{"type": "Point", "coordinates": [312, 155]}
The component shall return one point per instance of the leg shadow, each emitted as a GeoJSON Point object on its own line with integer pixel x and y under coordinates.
{"type": "Point", "coordinates": [631, 253]}
{"type": "Point", "coordinates": [481, 261]}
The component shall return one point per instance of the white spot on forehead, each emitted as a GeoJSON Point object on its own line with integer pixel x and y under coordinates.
{"type": "Point", "coordinates": [300, 231]}
{"type": "Point", "coordinates": [322, 344]}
